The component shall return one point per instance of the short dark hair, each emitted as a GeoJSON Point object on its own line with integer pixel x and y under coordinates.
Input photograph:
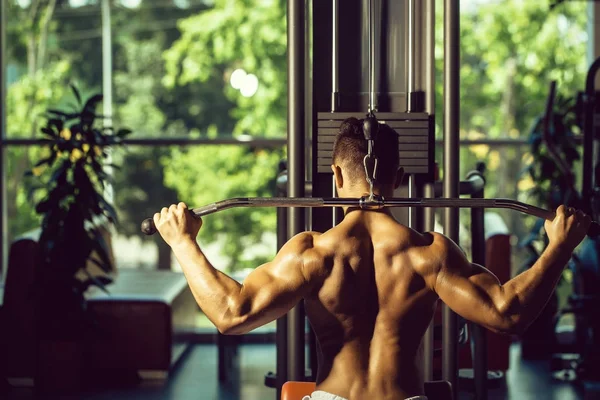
{"type": "Point", "coordinates": [350, 148]}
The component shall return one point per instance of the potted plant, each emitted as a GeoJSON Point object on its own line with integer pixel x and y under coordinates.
{"type": "Point", "coordinates": [553, 156]}
{"type": "Point", "coordinates": [74, 211]}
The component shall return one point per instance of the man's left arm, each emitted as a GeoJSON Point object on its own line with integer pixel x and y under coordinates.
{"type": "Point", "coordinates": [266, 294]}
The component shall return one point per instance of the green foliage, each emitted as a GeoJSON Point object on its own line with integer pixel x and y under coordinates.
{"type": "Point", "coordinates": [510, 51]}
{"type": "Point", "coordinates": [224, 172]}
{"type": "Point", "coordinates": [26, 100]}
{"type": "Point", "coordinates": [173, 82]}
{"type": "Point", "coordinates": [72, 206]}
{"type": "Point", "coordinates": [555, 186]}
{"type": "Point", "coordinates": [250, 35]}
{"type": "Point", "coordinates": [247, 34]}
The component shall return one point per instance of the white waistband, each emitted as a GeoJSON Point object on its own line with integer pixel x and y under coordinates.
{"type": "Point", "coordinates": [321, 395]}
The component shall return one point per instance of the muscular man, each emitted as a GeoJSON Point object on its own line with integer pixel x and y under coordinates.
{"type": "Point", "coordinates": [370, 284]}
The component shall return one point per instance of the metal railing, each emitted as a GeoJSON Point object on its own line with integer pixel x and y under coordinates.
{"type": "Point", "coordinates": [260, 142]}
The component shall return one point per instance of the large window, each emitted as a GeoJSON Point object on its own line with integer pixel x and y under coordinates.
{"type": "Point", "coordinates": [202, 83]}
{"type": "Point", "coordinates": [510, 52]}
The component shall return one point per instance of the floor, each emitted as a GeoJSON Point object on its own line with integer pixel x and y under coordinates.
{"type": "Point", "coordinates": [195, 377]}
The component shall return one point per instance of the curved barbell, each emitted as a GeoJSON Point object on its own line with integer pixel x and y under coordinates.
{"type": "Point", "coordinates": [365, 203]}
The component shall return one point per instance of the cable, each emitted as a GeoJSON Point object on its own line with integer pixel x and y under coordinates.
{"type": "Point", "coordinates": [372, 104]}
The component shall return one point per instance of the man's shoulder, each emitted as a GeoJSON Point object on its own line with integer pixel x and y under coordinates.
{"type": "Point", "coordinates": [435, 251]}
{"type": "Point", "coordinates": [442, 244]}
{"type": "Point", "coordinates": [305, 244]}
{"type": "Point", "coordinates": [306, 239]}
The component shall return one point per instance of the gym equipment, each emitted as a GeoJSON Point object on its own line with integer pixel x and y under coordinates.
{"type": "Point", "coordinates": [577, 328]}
{"type": "Point", "coordinates": [365, 203]}
{"type": "Point", "coordinates": [391, 93]}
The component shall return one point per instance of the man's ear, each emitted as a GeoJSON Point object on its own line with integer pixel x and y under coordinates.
{"type": "Point", "coordinates": [337, 173]}
{"type": "Point", "coordinates": [399, 177]}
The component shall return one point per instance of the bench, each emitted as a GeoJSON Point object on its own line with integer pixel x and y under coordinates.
{"type": "Point", "coordinates": [136, 321]}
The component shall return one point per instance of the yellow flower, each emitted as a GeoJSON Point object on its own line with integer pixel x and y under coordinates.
{"type": "Point", "coordinates": [97, 150]}
{"type": "Point", "coordinates": [85, 147]}
{"type": "Point", "coordinates": [76, 155]}
{"type": "Point", "coordinates": [78, 136]}
{"type": "Point", "coordinates": [65, 134]}
{"type": "Point", "coordinates": [37, 171]}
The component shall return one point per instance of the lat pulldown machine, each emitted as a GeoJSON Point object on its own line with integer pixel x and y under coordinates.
{"type": "Point", "coordinates": [387, 69]}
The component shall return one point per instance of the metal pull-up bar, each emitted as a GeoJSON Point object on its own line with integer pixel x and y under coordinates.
{"type": "Point", "coordinates": [364, 203]}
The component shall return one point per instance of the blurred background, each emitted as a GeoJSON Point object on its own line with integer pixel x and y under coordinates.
{"type": "Point", "coordinates": [203, 86]}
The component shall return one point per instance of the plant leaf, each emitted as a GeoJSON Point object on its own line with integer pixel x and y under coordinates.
{"type": "Point", "coordinates": [109, 209]}
{"type": "Point", "coordinates": [104, 267]}
{"type": "Point", "coordinates": [47, 160]}
{"type": "Point", "coordinates": [57, 112]}
{"type": "Point", "coordinates": [49, 132]}
{"type": "Point", "coordinates": [76, 93]}
{"type": "Point", "coordinates": [90, 105]}
{"type": "Point", "coordinates": [123, 132]}
{"type": "Point", "coordinates": [101, 247]}
{"type": "Point", "coordinates": [98, 281]}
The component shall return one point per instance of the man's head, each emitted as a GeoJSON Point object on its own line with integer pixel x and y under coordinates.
{"type": "Point", "coordinates": [349, 150]}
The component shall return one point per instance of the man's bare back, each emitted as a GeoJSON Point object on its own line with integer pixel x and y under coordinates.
{"type": "Point", "coordinates": [370, 284]}
{"type": "Point", "coordinates": [372, 308]}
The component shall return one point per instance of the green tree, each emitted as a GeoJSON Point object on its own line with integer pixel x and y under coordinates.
{"type": "Point", "coordinates": [142, 101]}
{"type": "Point", "coordinates": [249, 35]}
{"type": "Point", "coordinates": [224, 172]}
{"type": "Point", "coordinates": [510, 51]}
{"type": "Point", "coordinates": [36, 83]}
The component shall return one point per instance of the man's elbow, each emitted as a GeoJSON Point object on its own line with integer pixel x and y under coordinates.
{"type": "Point", "coordinates": [225, 329]}
{"type": "Point", "coordinates": [234, 321]}
{"type": "Point", "coordinates": [508, 326]}
{"type": "Point", "coordinates": [508, 318]}
{"type": "Point", "coordinates": [508, 322]}
{"type": "Point", "coordinates": [230, 327]}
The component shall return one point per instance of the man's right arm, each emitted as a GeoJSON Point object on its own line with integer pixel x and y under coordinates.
{"type": "Point", "coordinates": [476, 294]}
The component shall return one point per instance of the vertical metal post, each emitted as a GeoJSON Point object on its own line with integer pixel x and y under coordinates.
{"type": "Point", "coordinates": [430, 56]}
{"type": "Point", "coordinates": [427, 65]}
{"type": "Point", "coordinates": [412, 211]}
{"type": "Point", "coordinates": [410, 88]}
{"type": "Point", "coordinates": [451, 171]}
{"type": "Point", "coordinates": [312, 362]}
{"type": "Point", "coordinates": [335, 86]}
{"type": "Point", "coordinates": [478, 333]}
{"type": "Point", "coordinates": [335, 80]}
{"type": "Point", "coordinates": [106, 58]}
{"type": "Point", "coordinates": [589, 132]}
{"type": "Point", "coordinates": [428, 226]}
{"type": "Point", "coordinates": [411, 53]}
{"type": "Point", "coordinates": [3, 61]}
{"type": "Point", "coordinates": [334, 212]}
{"type": "Point", "coordinates": [373, 64]}
{"type": "Point", "coordinates": [107, 79]}
{"type": "Point", "coordinates": [281, 329]}
{"type": "Point", "coordinates": [296, 168]}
